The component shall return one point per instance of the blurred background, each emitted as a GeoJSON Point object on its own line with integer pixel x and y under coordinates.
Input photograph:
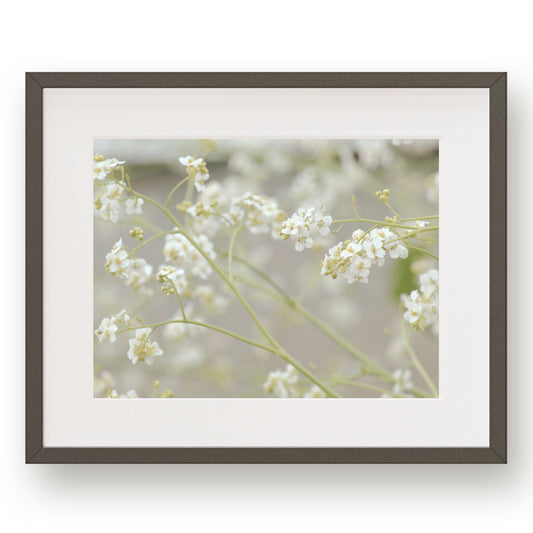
{"type": "Point", "coordinates": [200, 363]}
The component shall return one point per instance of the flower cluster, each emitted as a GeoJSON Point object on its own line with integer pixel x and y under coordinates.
{"type": "Point", "coordinates": [281, 382]}
{"type": "Point", "coordinates": [172, 279]}
{"type": "Point", "coordinates": [302, 224]}
{"type": "Point", "coordinates": [402, 381]}
{"type": "Point", "coordinates": [135, 271]}
{"type": "Point", "coordinates": [142, 349]}
{"type": "Point", "coordinates": [196, 170]}
{"type": "Point", "coordinates": [353, 258]}
{"type": "Point", "coordinates": [109, 201]}
{"type": "Point", "coordinates": [260, 214]}
{"type": "Point", "coordinates": [103, 167]}
{"type": "Point", "coordinates": [109, 326]}
{"type": "Point", "coordinates": [179, 251]}
{"type": "Point", "coordinates": [422, 306]}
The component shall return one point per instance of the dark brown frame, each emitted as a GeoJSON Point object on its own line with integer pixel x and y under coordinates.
{"type": "Point", "coordinates": [496, 82]}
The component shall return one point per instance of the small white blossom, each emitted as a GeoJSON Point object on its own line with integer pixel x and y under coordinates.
{"type": "Point", "coordinates": [429, 282]}
{"type": "Point", "coordinates": [138, 273]}
{"type": "Point", "coordinates": [281, 382]}
{"type": "Point", "coordinates": [172, 278]}
{"type": "Point", "coordinates": [315, 392]}
{"type": "Point", "coordinates": [130, 394]}
{"type": "Point", "coordinates": [302, 224]}
{"type": "Point", "coordinates": [109, 326]}
{"type": "Point", "coordinates": [142, 349]}
{"type": "Point", "coordinates": [134, 206]}
{"type": "Point", "coordinates": [197, 170]}
{"type": "Point", "coordinates": [107, 203]}
{"type": "Point", "coordinates": [260, 213]}
{"type": "Point", "coordinates": [179, 251]}
{"type": "Point", "coordinates": [117, 260]}
{"type": "Point", "coordinates": [402, 381]}
{"type": "Point", "coordinates": [422, 307]}
{"type": "Point", "coordinates": [107, 330]}
{"type": "Point", "coordinates": [104, 167]}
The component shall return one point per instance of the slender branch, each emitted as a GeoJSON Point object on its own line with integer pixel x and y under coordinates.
{"type": "Point", "coordinates": [234, 234]}
{"type": "Point", "coordinates": [417, 363]}
{"type": "Point", "coordinates": [179, 298]}
{"type": "Point", "coordinates": [423, 251]}
{"type": "Point", "coordinates": [204, 325]}
{"type": "Point", "coordinates": [364, 386]}
{"type": "Point", "coordinates": [152, 238]}
{"type": "Point", "coordinates": [174, 190]}
{"type": "Point", "coordinates": [377, 222]}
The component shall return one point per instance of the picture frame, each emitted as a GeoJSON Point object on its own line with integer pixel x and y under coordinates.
{"type": "Point", "coordinates": [494, 85]}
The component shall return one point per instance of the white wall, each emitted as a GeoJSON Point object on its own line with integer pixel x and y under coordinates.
{"type": "Point", "coordinates": [274, 35]}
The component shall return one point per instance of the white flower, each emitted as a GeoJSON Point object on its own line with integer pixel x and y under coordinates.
{"type": "Point", "coordinates": [303, 241]}
{"type": "Point", "coordinates": [197, 170]}
{"type": "Point", "coordinates": [302, 224]}
{"type": "Point", "coordinates": [403, 381]}
{"type": "Point", "coordinates": [104, 167]}
{"type": "Point", "coordinates": [138, 273]}
{"type": "Point", "coordinates": [142, 349]}
{"type": "Point", "coordinates": [130, 394]}
{"type": "Point", "coordinates": [281, 382]}
{"type": "Point", "coordinates": [321, 221]}
{"type": "Point", "coordinates": [359, 269]}
{"type": "Point", "coordinates": [107, 203]}
{"type": "Point", "coordinates": [117, 261]}
{"type": "Point", "coordinates": [315, 392]}
{"type": "Point", "coordinates": [109, 326]}
{"type": "Point", "coordinates": [429, 282]}
{"type": "Point", "coordinates": [134, 206]}
{"type": "Point", "coordinates": [422, 307]}
{"type": "Point", "coordinates": [261, 214]}
{"type": "Point", "coordinates": [172, 278]}
{"type": "Point", "coordinates": [179, 251]}
{"type": "Point", "coordinates": [107, 330]}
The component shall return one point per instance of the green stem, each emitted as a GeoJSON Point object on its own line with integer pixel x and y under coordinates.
{"type": "Point", "coordinates": [417, 363]}
{"type": "Point", "coordinates": [365, 386]}
{"type": "Point", "coordinates": [414, 219]}
{"type": "Point", "coordinates": [152, 238]}
{"type": "Point", "coordinates": [423, 251]}
{"type": "Point", "coordinates": [236, 231]}
{"type": "Point", "coordinates": [208, 326]}
{"type": "Point", "coordinates": [377, 222]}
{"type": "Point", "coordinates": [174, 190]}
{"type": "Point", "coordinates": [179, 299]}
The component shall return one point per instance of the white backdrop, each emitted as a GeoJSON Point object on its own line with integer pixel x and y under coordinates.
{"type": "Point", "coordinates": [233, 35]}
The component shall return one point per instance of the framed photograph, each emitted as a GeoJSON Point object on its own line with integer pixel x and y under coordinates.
{"type": "Point", "coordinates": [247, 268]}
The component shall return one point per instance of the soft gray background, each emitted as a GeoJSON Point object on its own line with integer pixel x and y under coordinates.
{"type": "Point", "coordinates": [347, 36]}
